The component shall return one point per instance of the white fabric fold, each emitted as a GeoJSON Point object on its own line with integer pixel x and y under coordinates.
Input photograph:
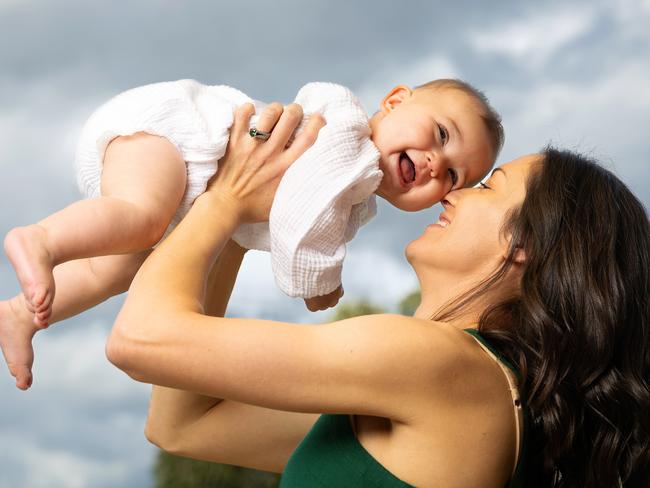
{"type": "Point", "coordinates": [321, 202]}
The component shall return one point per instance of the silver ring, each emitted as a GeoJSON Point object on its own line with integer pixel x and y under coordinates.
{"type": "Point", "coordinates": [258, 134]}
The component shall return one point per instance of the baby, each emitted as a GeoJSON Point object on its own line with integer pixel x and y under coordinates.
{"type": "Point", "coordinates": [418, 146]}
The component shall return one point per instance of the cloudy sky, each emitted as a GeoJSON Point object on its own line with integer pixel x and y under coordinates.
{"type": "Point", "coordinates": [567, 72]}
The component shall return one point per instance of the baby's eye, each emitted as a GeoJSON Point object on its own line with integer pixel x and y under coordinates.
{"type": "Point", "coordinates": [444, 135]}
{"type": "Point", "coordinates": [454, 176]}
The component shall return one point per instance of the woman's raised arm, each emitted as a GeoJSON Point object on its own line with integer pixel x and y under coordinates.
{"type": "Point", "coordinates": [172, 410]}
{"type": "Point", "coordinates": [202, 427]}
{"type": "Point", "coordinates": [374, 365]}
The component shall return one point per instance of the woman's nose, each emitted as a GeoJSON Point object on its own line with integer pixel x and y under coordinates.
{"type": "Point", "coordinates": [451, 199]}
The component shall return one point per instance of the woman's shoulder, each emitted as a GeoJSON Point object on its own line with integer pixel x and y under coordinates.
{"type": "Point", "coordinates": [448, 357]}
{"type": "Point", "coordinates": [463, 409]}
{"type": "Point", "coordinates": [439, 334]}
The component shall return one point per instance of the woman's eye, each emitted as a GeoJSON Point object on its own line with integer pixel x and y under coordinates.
{"type": "Point", "coordinates": [454, 176]}
{"type": "Point", "coordinates": [444, 135]}
{"type": "Point", "coordinates": [484, 186]}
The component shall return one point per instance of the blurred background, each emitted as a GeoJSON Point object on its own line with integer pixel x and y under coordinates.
{"type": "Point", "coordinates": [571, 73]}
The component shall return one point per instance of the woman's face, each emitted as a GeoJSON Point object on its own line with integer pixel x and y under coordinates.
{"type": "Point", "coordinates": [467, 240]}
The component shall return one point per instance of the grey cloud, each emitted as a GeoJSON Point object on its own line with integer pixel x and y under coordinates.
{"type": "Point", "coordinates": [72, 55]}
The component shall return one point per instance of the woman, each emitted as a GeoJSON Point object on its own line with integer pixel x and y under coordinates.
{"type": "Point", "coordinates": [548, 260]}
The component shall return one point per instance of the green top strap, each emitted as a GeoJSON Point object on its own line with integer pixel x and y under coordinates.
{"type": "Point", "coordinates": [483, 341]}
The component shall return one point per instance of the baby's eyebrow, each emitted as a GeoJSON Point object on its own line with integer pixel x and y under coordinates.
{"type": "Point", "coordinates": [456, 129]}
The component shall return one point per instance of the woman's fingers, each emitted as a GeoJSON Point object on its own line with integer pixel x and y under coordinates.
{"type": "Point", "coordinates": [269, 117]}
{"type": "Point", "coordinates": [252, 168]}
{"type": "Point", "coordinates": [305, 139]}
{"type": "Point", "coordinates": [289, 121]}
{"type": "Point", "coordinates": [241, 120]}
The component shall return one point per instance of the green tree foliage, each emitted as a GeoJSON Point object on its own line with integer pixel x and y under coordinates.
{"type": "Point", "coordinates": [410, 303]}
{"type": "Point", "coordinates": [178, 472]}
{"type": "Point", "coordinates": [354, 309]}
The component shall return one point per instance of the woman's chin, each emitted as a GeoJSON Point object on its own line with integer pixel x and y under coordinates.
{"type": "Point", "coordinates": [412, 251]}
{"type": "Point", "coordinates": [421, 255]}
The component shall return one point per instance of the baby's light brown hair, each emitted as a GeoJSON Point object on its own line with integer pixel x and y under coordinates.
{"type": "Point", "coordinates": [488, 114]}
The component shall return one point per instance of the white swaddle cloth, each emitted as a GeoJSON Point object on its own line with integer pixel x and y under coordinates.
{"type": "Point", "coordinates": [322, 200]}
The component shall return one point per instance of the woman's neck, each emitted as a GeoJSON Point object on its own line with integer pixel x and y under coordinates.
{"type": "Point", "coordinates": [438, 291]}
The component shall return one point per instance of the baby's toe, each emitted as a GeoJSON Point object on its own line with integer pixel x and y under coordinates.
{"type": "Point", "coordinates": [42, 319]}
{"type": "Point", "coordinates": [41, 298]}
{"type": "Point", "coordinates": [22, 374]}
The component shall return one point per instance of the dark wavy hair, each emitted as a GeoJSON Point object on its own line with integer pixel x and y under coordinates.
{"type": "Point", "coordinates": [578, 327]}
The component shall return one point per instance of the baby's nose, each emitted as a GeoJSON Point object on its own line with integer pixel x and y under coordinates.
{"type": "Point", "coordinates": [435, 164]}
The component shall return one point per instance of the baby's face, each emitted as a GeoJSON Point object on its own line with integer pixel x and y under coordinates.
{"type": "Point", "coordinates": [431, 142]}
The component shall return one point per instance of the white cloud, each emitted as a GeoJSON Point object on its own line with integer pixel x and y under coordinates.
{"type": "Point", "coordinates": [373, 89]}
{"type": "Point", "coordinates": [633, 18]}
{"type": "Point", "coordinates": [377, 276]}
{"type": "Point", "coordinates": [604, 117]}
{"type": "Point", "coordinates": [69, 359]}
{"type": "Point", "coordinates": [72, 428]}
{"type": "Point", "coordinates": [42, 122]}
{"type": "Point", "coordinates": [537, 37]}
{"type": "Point", "coordinates": [34, 466]}
{"type": "Point", "coordinates": [81, 425]}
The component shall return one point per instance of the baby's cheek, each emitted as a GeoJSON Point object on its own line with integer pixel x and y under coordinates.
{"type": "Point", "coordinates": [432, 193]}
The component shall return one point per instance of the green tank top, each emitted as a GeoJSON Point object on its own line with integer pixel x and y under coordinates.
{"type": "Point", "coordinates": [330, 455]}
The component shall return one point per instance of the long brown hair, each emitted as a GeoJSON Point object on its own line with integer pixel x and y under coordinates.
{"type": "Point", "coordinates": [578, 329]}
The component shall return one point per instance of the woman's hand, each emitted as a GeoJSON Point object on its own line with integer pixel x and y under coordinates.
{"type": "Point", "coordinates": [251, 169]}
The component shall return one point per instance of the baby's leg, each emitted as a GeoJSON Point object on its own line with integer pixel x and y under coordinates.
{"type": "Point", "coordinates": [82, 284]}
{"type": "Point", "coordinates": [143, 182]}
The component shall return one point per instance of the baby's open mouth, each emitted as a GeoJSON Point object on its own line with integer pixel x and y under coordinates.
{"type": "Point", "coordinates": [406, 168]}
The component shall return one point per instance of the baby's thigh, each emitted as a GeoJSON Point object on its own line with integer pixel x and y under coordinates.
{"type": "Point", "coordinates": [146, 170]}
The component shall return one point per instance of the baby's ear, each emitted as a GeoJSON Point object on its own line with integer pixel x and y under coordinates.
{"type": "Point", "coordinates": [395, 97]}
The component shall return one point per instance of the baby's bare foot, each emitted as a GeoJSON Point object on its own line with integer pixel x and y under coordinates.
{"type": "Point", "coordinates": [26, 249]}
{"type": "Point", "coordinates": [16, 332]}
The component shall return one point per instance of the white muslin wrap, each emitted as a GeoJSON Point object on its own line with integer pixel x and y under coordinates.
{"type": "Point", "coordinates": [322, 200]}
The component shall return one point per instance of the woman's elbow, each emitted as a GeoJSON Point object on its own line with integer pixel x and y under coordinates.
{"type": "Point", "coordinates": [165, 438]}
{"type": "Point", "coordinates": [121, 351]}
{"type": "Point", "coordinates": [156, 436]}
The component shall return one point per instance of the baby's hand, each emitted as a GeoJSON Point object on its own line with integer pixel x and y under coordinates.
{"type": "Point", "coordinates": [324, 302]}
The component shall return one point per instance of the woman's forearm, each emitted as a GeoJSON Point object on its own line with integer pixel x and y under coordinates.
{"type": "Point", "coordinates": [222, 278]}
{"type": "Point", "coordinates": [171, 409]}
{"type": "Point", "coordinates": [174, 276]}
{"type": "Point", "coordinates": [169, 289]}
